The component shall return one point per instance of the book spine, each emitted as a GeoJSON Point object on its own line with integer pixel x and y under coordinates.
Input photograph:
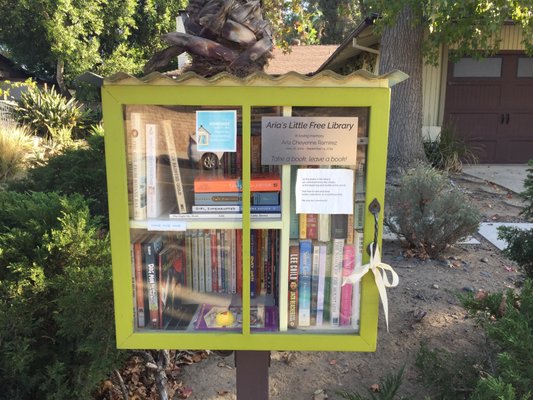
{"type": "Point", "coordinates": [233, 260]}
{"type": "Point", "coordinates": [255, 153]}
{"type": "Point", "coordinates": [294, 226]}
{"type": "Point", "coordinates": [265, 198]}
{"type": "Point", "coordinates": [236, 209]}
{"type": "Point", "coordinates": [327, 282]}
{"type": "Point", "coordinates": [174, 165]}
{"type": "Point", "coordinates": [314, 283]}
{"type": "Point", "coordinates": [152, 284]}
{"type": "Point", "coordinates": [302, 223]}
{"type": "Point", "coordinates": [336, 281]}
{"type": "Point", "coordinates": [151, 170]}
{"type": "Point", "coordinates": [304, 283]}
{"type": "Point", "coordinates": [253, 263]}
{"type": "Point", "coordinates": [294, 257]}
{"type": "Point", "coordinates": [218, 198]}
{"type": "Point", "coordinates": [139, 285]}
{"type": "Point", "coordinates": [339, 224]}
{"type": "Point", "coordinates": [349, 229]}
{"type": "Point", "coordinates": [188, 260]}
{"type": "Point", "coordinates": [214, 261]}
{"type": "Point", "coordinates": [208, 261]}
{"type": "Point", "coordinates": [194, 259]}
{"type": "Point", "coordinates": [324, 227]}
{"type": "Point", "coordinates": [201, 261]}
{"type": "Point", "coordinates": [238, 241]}
{"type": "Point", "coordinates": [348, 263]}
{"type": "Point", "coordinates": [138, 164]}
{"type": "Point", "coordinates": [312, 226]}
{"type": "Point", "coordinates": [227, 184]}
{"type": "Point", "coordinates": [219, 262]}
{"type": "Point", "coordinates": [321, 284]}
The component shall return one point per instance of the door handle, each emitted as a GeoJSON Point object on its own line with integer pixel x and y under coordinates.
{"type": "Point", "coordinates": [507, 118]}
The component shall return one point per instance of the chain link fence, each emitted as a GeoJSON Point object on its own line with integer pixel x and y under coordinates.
{"type": "Point", "coordinates": [6, 113]}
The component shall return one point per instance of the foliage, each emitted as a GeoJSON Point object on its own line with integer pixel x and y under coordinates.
{"type": "Point", "coordinates": [388, 387]}
{"type": "Point", "coordinates": [520, 242]}
{"type": "Point", "coordinates": [445, 373]}
{"type": "Point", "coordinates": [49, 114]}
{"type": "Point", "coordinates": [428, 212]}
{"type": "Point", "coordinates": [7, 85]}
{"type": "Point", "coordinates": [449, 151]}
{"type": "Point", "coordinates": [15, 145]}
{"type": "Point", "coordinates": [510, 327]}
{"type": "Point", "coordinates": [56, 320]}
{"type": "Point", "coordinates": [103, 36]}
{"type": "Point", "coordinates": [75, 170]}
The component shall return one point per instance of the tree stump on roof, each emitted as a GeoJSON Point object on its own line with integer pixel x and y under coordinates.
{"type": "Point", "coordinates": [220, 35]}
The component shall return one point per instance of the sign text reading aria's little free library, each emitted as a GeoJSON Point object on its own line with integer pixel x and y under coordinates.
{"type": "Point", "coordinates": [309, 140]}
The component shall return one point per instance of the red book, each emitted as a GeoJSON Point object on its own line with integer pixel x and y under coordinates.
{"type": "Point", "coordinates": [348, 264]}
{"type": "Point", "coordinates": [312, 226]}
{"type": "Point", "coordinates": [215, 183]}
{"type": "Point", "coordinates": [139, 287]}
{"type": "Point", "coordinates": [294, 261]}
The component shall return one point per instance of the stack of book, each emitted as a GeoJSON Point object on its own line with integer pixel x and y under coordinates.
{"type": "Point", "coordinates": [214, 194]}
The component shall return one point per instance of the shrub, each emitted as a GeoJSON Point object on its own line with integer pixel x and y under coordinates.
{"type": "Point", "coordinates": [428, 212]}
{"type": "Point", "coordinates": [15, 147]}
{"type": "Point", "coordinates": [56, 313]}
{"type": "Point", "coordinates": [388, 387]}
{"type": "Point", "coordinates": [449, 151]}
{"type": "Point", "coordinates": [520, 242]}
{"type": "Point", "coordinates": [48, 113]}
{"type": "Point", "coordinates": [76, 170]}
{"type": "Point", "coordinates": [510, 327]}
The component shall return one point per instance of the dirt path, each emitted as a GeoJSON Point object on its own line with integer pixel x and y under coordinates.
{"type": "Point", "coordinates": [429, 287]}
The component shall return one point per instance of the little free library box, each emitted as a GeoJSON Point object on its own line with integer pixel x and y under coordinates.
{"type": "Point", "coordinates": [238, 208]}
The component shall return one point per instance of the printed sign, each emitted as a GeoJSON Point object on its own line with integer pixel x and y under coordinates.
{"type": "Point", "coordinates": [324, 191]}
{"type": "Point", "coordinates": [309, 140]}
{"type": "Point", "coordinates": [216, 130]}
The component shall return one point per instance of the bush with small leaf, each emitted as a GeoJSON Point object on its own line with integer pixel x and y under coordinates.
{"type": "Point", "coordinates": [429, 212]}
{"type": "Point", "coordinates": [49, 114]}
{"type": "Point", "coordinates": [520, 242]}
{"type": "Point", "coordinates": [386, 390]}
{"type": "Point", "coordinates": [16, 144]}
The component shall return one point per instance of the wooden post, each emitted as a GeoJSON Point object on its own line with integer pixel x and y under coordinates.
{"type": "Point", "coordinates": [252, 374]}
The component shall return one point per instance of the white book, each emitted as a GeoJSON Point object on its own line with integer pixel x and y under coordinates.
{"type": "Point", "coordinates": [159, 181]}
{"type": "Point", "coordinates": [137, 139]}
{"type": "Point", "coordinates": [233, 252]}
{"type": "Point", "coordinates": [194, 259]}
{"type": "Point", "coordinates": [336, 281]}
{"type": "Point", "coordinates": [176, 174]}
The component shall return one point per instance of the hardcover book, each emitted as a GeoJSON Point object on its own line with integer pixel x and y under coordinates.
{"type": "Point", "coordinates": [348, 264]}
{"type": "Point", "coordinates": [336, 281]}
{"type": "Point", "coordinates": [150, 249]}
{"type": "Point", "coordinates": [304, 283]}
{"type": "Point", "coordinates": [137, 139]}
{"type": "Point", "coordinates": [314, 283]}
{"type": "Point", "coordinates": [322, 254]}
{"type": "Point", "coordinates": [294, 257]}
{"type": "Point", "coordinates": [216, 183]}
{"type": "Point", "coordinates": [175, 168]}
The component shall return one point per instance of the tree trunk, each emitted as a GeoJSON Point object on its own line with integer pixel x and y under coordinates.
{"type": "Point", "coordinates": [401, 48]}
{"type": "Point", "coordinates": [60, 68]}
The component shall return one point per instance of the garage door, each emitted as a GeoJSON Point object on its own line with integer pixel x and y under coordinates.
{"type": "Point", "coordinates": [489, 103]}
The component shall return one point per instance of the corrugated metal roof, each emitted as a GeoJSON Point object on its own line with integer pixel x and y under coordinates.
{"type": "Point", "coordinates": [301, 59]}
{"type": "Point", "coordinates": [359, 78]}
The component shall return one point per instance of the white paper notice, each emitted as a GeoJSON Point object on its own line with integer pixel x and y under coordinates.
{"type": "Point", "coordinates": [324, 191]}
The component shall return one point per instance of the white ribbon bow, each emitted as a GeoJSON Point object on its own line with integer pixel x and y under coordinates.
{"type": "Point", "coordinates": [380, 275]}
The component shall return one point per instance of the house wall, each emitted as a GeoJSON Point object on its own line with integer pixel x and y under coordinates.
{"type": "Point", "coordinates": [434, 81]}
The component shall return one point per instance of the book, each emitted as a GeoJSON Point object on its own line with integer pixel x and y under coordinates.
{"type": "Point", "coordinates": [327, 282]}
{"type": "Point", "coordinates": [194, 261]}
{"type": "Point", "coordinates": [201, 261]}
{"type": "Point", "coordinates": [238, 257]}
{"type": "Point", "coordinates": [312, 226]}
{"type": "Point", "coordinates": [314, 283]}
{"type": "Point", "coordinates": [336, 281]}
{"type": "Point", "coordinates": [137, 140]}
{"type": "Point", "coordinates": [322, 254]}
{"type": "Point", "coordinates": [348, 264]}
{"type": "Point", "coordinates": [255, 153]}
{"type": "Point", "coordinates": [302, 224]}
{"type": "Point", "coordinates": [150, 250]}
{"type": "Point", "coordinates": [216, 183]}
{"type": "Point", "coordinates": [208, 262]}
{"type": "Point", "coordinates": [175, 168]}
{"type": "Point", "coordinates": [294, 257]}
{"type": "Point", "coordinates": [181, 317]}
{"type": "Point", "coordinates": [324, 227]}
{"type": "Point", "coordinates": [294, 227]}
{"type": "Point", "coordinates": [349, 229]}
{"type": "Point", "coordinates": [339, 226]}
{"type": "Point", "coordinates": [304, 283]}
{"type": "Point", "coordinates": [236, 209]}
{"type": "Point", "coordinates": [262, 318]}
{"type": "Point", "coordinates": [265, 198]}
{"type": "Point", "coordinates": [188, 260]}
{"type": "Point", "coordinates": [218, 198]}
{"type": "Point", "coordinates": [214, 260]}
{"type": "Point", "coordinates": [139, 284]}
{"type": "Point", "coordinates": [253, 263]}
{"type": "Point", "coordinates": [171, 282]}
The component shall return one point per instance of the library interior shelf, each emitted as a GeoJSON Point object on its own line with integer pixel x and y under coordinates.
{"type": "Point", "coordinates": [238, 208]}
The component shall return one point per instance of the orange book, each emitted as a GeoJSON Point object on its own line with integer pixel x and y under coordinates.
{"type": "Point", "coordinates": [259, 183]}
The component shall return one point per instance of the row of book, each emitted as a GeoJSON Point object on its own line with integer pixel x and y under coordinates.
{"type": "Point", "coordinates": [169, 269]}
{"type": "Point", "coordinates": [317, 297]}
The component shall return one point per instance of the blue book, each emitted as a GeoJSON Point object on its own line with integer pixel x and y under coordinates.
{"type": "Point", "coordinates": [304, 283]}
{"type": "Point", "coordinates": [265, 198]}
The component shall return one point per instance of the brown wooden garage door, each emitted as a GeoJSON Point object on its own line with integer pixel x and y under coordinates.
{"type": "Point", "coordinates": [490, 103]}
